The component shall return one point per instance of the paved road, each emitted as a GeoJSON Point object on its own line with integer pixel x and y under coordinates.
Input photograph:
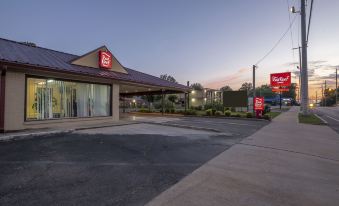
{"type": "Point", "coordinates": [329, 114]}
{"type": "Point", "coordinates": [106, 168]}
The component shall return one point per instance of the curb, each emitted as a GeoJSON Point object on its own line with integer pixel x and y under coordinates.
{"type": "Point", "coordinates": [112, 125]}
{"type": "Point", "coordinates": [324, 121]}
{"type": "Point", "coordinates": [16, 137]}
{"type": "Point", "coordinates": [181, 115]}
{"type": "Point", "coordinates": [184, 126]}
{"type": "Point", "coordinates": [236, 118]}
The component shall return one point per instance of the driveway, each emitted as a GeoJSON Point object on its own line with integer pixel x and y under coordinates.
{"type": "Point", "coordinates": [123, 165]}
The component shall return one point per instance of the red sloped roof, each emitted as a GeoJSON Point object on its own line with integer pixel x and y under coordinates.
{"type": "Point", "coordinates": [20, 53]}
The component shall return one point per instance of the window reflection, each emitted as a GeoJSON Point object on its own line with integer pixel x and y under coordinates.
{"type": "Point", "coordinates": [50, 99]}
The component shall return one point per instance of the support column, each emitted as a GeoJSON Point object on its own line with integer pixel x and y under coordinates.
{"type": "Point", "coordinates": [115, 101]}
{"type": "Point", "coordinates": [162, 102]}
{"type": "Point", "coordinates": [2, 98]}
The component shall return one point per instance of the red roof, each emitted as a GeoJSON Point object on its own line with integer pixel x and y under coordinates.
{"type": "Point", "coordinates": [21, 53]}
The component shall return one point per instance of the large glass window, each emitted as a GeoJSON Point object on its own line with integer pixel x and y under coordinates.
{"type": "Point", "coordinates": [50, 99]}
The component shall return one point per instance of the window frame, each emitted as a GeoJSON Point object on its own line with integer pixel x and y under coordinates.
{"type": "Point", "coordinates": [27, 76]}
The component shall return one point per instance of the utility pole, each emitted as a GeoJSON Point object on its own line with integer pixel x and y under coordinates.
{"type": "Point", "coordinates": [316, 98]}
{"type": "Point", "coordinates": [322, 95]}
{"type": "Point", "coordinates": [325, 94]}
{"type": "Point", "coordinates": [336, 86]}
{"type": "Point", "coordinates": [188, 97]}
{"type": "Point", "coordinates": [299, 68]}
{"type": "Point", "coordinates": [304, 76]}
{"type": "Point", "coordinates": [253, 88]}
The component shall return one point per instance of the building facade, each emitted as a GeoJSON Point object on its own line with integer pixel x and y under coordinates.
{"type": "Point", "coordinates": [41, 87]}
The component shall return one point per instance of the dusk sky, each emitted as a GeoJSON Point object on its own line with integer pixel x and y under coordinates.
{"type": "Point", "coordinates": [213, 42]}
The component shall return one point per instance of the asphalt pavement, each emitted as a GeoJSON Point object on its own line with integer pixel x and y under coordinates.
{"type": "Point", "coordinates": [112, 165]}
{"type": "Point", "coordinates": [330, 115]}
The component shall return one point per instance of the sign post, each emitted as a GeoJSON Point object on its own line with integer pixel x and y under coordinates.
{"type": "Point", "coordinates": [258, 105]}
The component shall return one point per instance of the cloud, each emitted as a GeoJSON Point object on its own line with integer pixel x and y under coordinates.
{"type": "Point", "coordinates": [233, 79]}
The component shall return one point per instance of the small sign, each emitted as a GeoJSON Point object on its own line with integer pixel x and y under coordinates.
{"type": "Point", "coordinates": [281, 79]}
{"type": "Point", "coordinates": [280, 89]}
{"type": "Point", "coordinates": [259, 103]}
{"type": "Point", "coordinates": [105, 59]}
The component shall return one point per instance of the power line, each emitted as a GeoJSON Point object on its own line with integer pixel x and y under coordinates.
{"type": "Point", "coordinates": [309, 20]}
{"type": "Point", "coordinates": [276, 44]}
{"type": "Point", "coordinates": [289, 19]}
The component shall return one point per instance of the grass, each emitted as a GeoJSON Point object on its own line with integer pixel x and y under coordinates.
{"type": "Point", "coordinates": [273, 114]}
{"type": "Point", "coordinates": [310, 119]}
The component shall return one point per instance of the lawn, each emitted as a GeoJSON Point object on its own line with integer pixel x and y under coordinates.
{"type": "Point", "coordinates": [273, 114]}
{"type": "Point", "coordinates": [310, 119]}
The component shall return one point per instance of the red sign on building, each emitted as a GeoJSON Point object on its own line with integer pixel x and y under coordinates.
{"type": "Point", "coordinates": [281, 79]}
{"type": "Point", "coordinates": [105, 59]}
{"type": "Point", "coordinates": [259, 103]}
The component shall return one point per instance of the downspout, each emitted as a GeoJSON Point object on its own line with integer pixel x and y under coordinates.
{"type": "Point", "coordinates": [3, 70]}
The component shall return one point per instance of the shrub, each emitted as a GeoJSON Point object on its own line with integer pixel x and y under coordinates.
{"type": "Point", "coordinates": [144, 110]}
{"type": "Point", "coordinates": [227, 113]}
{"type": "Point", "coordinates": [266, 116]}
{"type": "Point", "coordinates": [249, 115]}
{"type": "Point", "coordinates": [213, 111]}
{"type": "Point", "coordinates": [218, 113]}
{"type": "Point", "coordinates": [190, 112]}
{"type": "Point", "coordinates": [209, 112]}
{"type": "Point", "coordinates": [172, 110]}
{"type": "Point", "coordinates": [215, 105]}
{"type": "Point", "coordinates": [235, 115]}
{"type": "Point", "coordinates": [199, 108]}
{"type": "Point", "coordinates": [227, 109]}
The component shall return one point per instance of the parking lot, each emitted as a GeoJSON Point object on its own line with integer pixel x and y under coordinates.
{"type": "Point", "coordinates": [122, 165]}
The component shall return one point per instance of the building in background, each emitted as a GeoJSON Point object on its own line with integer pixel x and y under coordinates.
{"type": "Point", "coordinates": [199, 98]}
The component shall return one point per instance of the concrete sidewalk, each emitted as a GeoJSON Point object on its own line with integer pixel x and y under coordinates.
{"type": "Point", "coordinates": [284, 163]}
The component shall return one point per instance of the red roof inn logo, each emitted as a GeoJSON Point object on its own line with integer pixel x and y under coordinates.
{"type": "Point", "coordinates": [281, 79]}
{"type": "Point", "coordinates": [105, 59]}
{"type": "Point", "coordinates": [259, 103]}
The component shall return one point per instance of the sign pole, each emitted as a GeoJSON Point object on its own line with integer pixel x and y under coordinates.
{"type": "Point", "coordinates": [280, 99]}
{"type": "Point", "coordinates": [253, 88]}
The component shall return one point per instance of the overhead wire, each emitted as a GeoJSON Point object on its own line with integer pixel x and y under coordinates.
{"type": "Point", "coordinates": [277, 43]}
{"type": "Point", "coordinates": [289, 19]}
{"type": "Point", "coordinates": [309, 21]}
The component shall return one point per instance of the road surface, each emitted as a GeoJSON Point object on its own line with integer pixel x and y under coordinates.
{"type": "Point", "coordinates": [330, 115]}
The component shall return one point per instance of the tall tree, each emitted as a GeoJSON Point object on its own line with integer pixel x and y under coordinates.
{"type": "Point", "coordinates": [197, 86]}
{"type": "Point", "coordinates": [168, 78]}
{"type": "Point", "coordinates": [226, 88]}
{"type": "Point", "coordinates": [246, 86]}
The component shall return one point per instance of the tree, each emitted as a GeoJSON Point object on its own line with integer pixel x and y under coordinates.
{"type": "Point", "coordinates": [168, 78]}
{"type": "Point", "coordinates": [149, 98]}
{"type": "Point", "coordinates": [291, 93]}
{"type": "Point", "coordinates": [197, 86]}
{"type": "Point", "coordinates": [265, 90]}
{"type": "Point", "coordinates": [226, 88]}
{"type": "Point", "coordinates": [246, 86]}
{"type": "Point", "coordinates": [172, 98]}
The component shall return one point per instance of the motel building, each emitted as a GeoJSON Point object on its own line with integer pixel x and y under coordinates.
{"type": "Point", "coordinates": [44, 88]}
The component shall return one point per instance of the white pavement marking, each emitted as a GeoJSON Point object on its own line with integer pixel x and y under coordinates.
{"type": "Point", "coordinates": [324, 121]}
{"type": "Point", "coordinates": [332, 118]}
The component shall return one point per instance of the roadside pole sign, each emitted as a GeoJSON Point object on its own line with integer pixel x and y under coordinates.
{"type": "Point", "coordinates": [281, 79]}
{"type": "Point", "coordinates": [259, 103]}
